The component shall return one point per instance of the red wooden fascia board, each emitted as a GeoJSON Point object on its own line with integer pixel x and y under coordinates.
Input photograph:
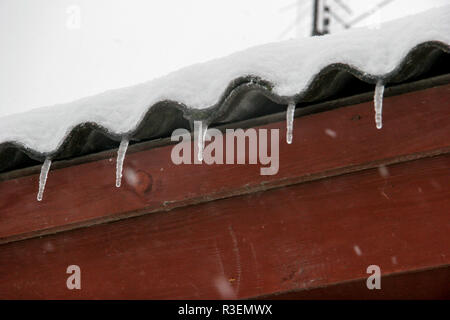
{"type": "Point", "coordinates": [416, 125]}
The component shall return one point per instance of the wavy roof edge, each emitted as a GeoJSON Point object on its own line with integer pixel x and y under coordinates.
{"type": "Point", "coordinates": [244, 96]}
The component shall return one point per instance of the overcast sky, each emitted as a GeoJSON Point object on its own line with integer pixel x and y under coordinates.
{"type": "Point", "coordinates": [55, 51]}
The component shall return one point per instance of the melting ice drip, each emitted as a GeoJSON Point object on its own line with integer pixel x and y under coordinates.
{"type": "Point", "coordinates": [43, 178]}
{"type": "Point", "coordinates": [120, 158]}
{"type": "Point", "coordinates": [378, 102]}
{"type": "Point", "coordinates": [290, 122]}
{"type": "Point", "coordinates": [201, 136]}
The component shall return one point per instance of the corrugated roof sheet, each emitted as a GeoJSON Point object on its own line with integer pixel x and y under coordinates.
{"type": "Point", "coordinates": [248, 91]}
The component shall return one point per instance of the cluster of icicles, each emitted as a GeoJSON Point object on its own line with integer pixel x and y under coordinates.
{"type": "Point", "coordinates": [378, 104]}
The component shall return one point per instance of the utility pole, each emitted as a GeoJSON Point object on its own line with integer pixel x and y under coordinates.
{"type": "Point", "coordinates": [315, 31]}
{"type": "Point", "coordinates": [323, 13]}
{"type": "Point", "coordinates": [321, 18]}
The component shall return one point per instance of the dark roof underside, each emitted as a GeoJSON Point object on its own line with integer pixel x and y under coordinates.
{"type": "Point", "coordinates": [245, 98]}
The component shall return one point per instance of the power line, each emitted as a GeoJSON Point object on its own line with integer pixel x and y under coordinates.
{"type": "Point", "coordinates": [369, 12]}
{"type": "Point", "coordinates": [344, 6]}
{"type": "Point", "coordinates": [322, 12]}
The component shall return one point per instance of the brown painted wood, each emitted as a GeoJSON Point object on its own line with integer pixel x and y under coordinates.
{"type": "Point", "coordinates": [424, 284]}
{"type": "Point", "coordinates": [300, 237]}
{"type": "Point", "coordinates": [416, 124]}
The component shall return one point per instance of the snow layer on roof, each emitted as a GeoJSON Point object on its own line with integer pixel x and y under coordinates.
{"type": "Point", "coordinates": [288, 65]}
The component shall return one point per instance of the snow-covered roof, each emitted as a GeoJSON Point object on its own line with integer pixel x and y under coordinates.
{"type": "Point", "coordinates": [287, 71]}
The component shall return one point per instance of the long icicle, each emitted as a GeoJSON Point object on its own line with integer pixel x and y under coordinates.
{"type": "Point", "coordinates": [43, 178]}
{"type": "Point", "coordinates": [290, 122]}
{"type": "Point", "coordinates": [201, 139]}
{"type": "Point", "coordinates": [378, 103]}
{"type": "Point", "coordinates": [120, 158]}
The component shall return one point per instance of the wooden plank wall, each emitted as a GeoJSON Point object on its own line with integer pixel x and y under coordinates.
{"type": "Point", "coordinates": [304, 236]}
{"type": "Point", "coordinates": [327, 215]}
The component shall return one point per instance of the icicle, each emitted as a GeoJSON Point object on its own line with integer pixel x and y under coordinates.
{"type": "Point", "coordinates": [201, 136]}
{"type": "Point", "coordinates": [43, 178]}
{"type": "Point", "coordinates": [120, 158]}
{"type": "Point", "coordinates": [290, 122]}
{"type": "Point", "coordinates": [378, 102]}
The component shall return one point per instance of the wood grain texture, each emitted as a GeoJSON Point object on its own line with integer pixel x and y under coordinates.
{"type": "Point", "coordinates": [416, 124]}
{"type": "Point", "coordinates": [424, 284]}
{"type": "Point", "coordinates": [305, 236]}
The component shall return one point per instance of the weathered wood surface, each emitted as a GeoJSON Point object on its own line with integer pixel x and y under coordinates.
{"type": "Point", "coordinates": [425, 284]}
{"type": "Point", "coordinates": [307, 235]}
{"type": "Point", "coordinates": [416, 124]}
